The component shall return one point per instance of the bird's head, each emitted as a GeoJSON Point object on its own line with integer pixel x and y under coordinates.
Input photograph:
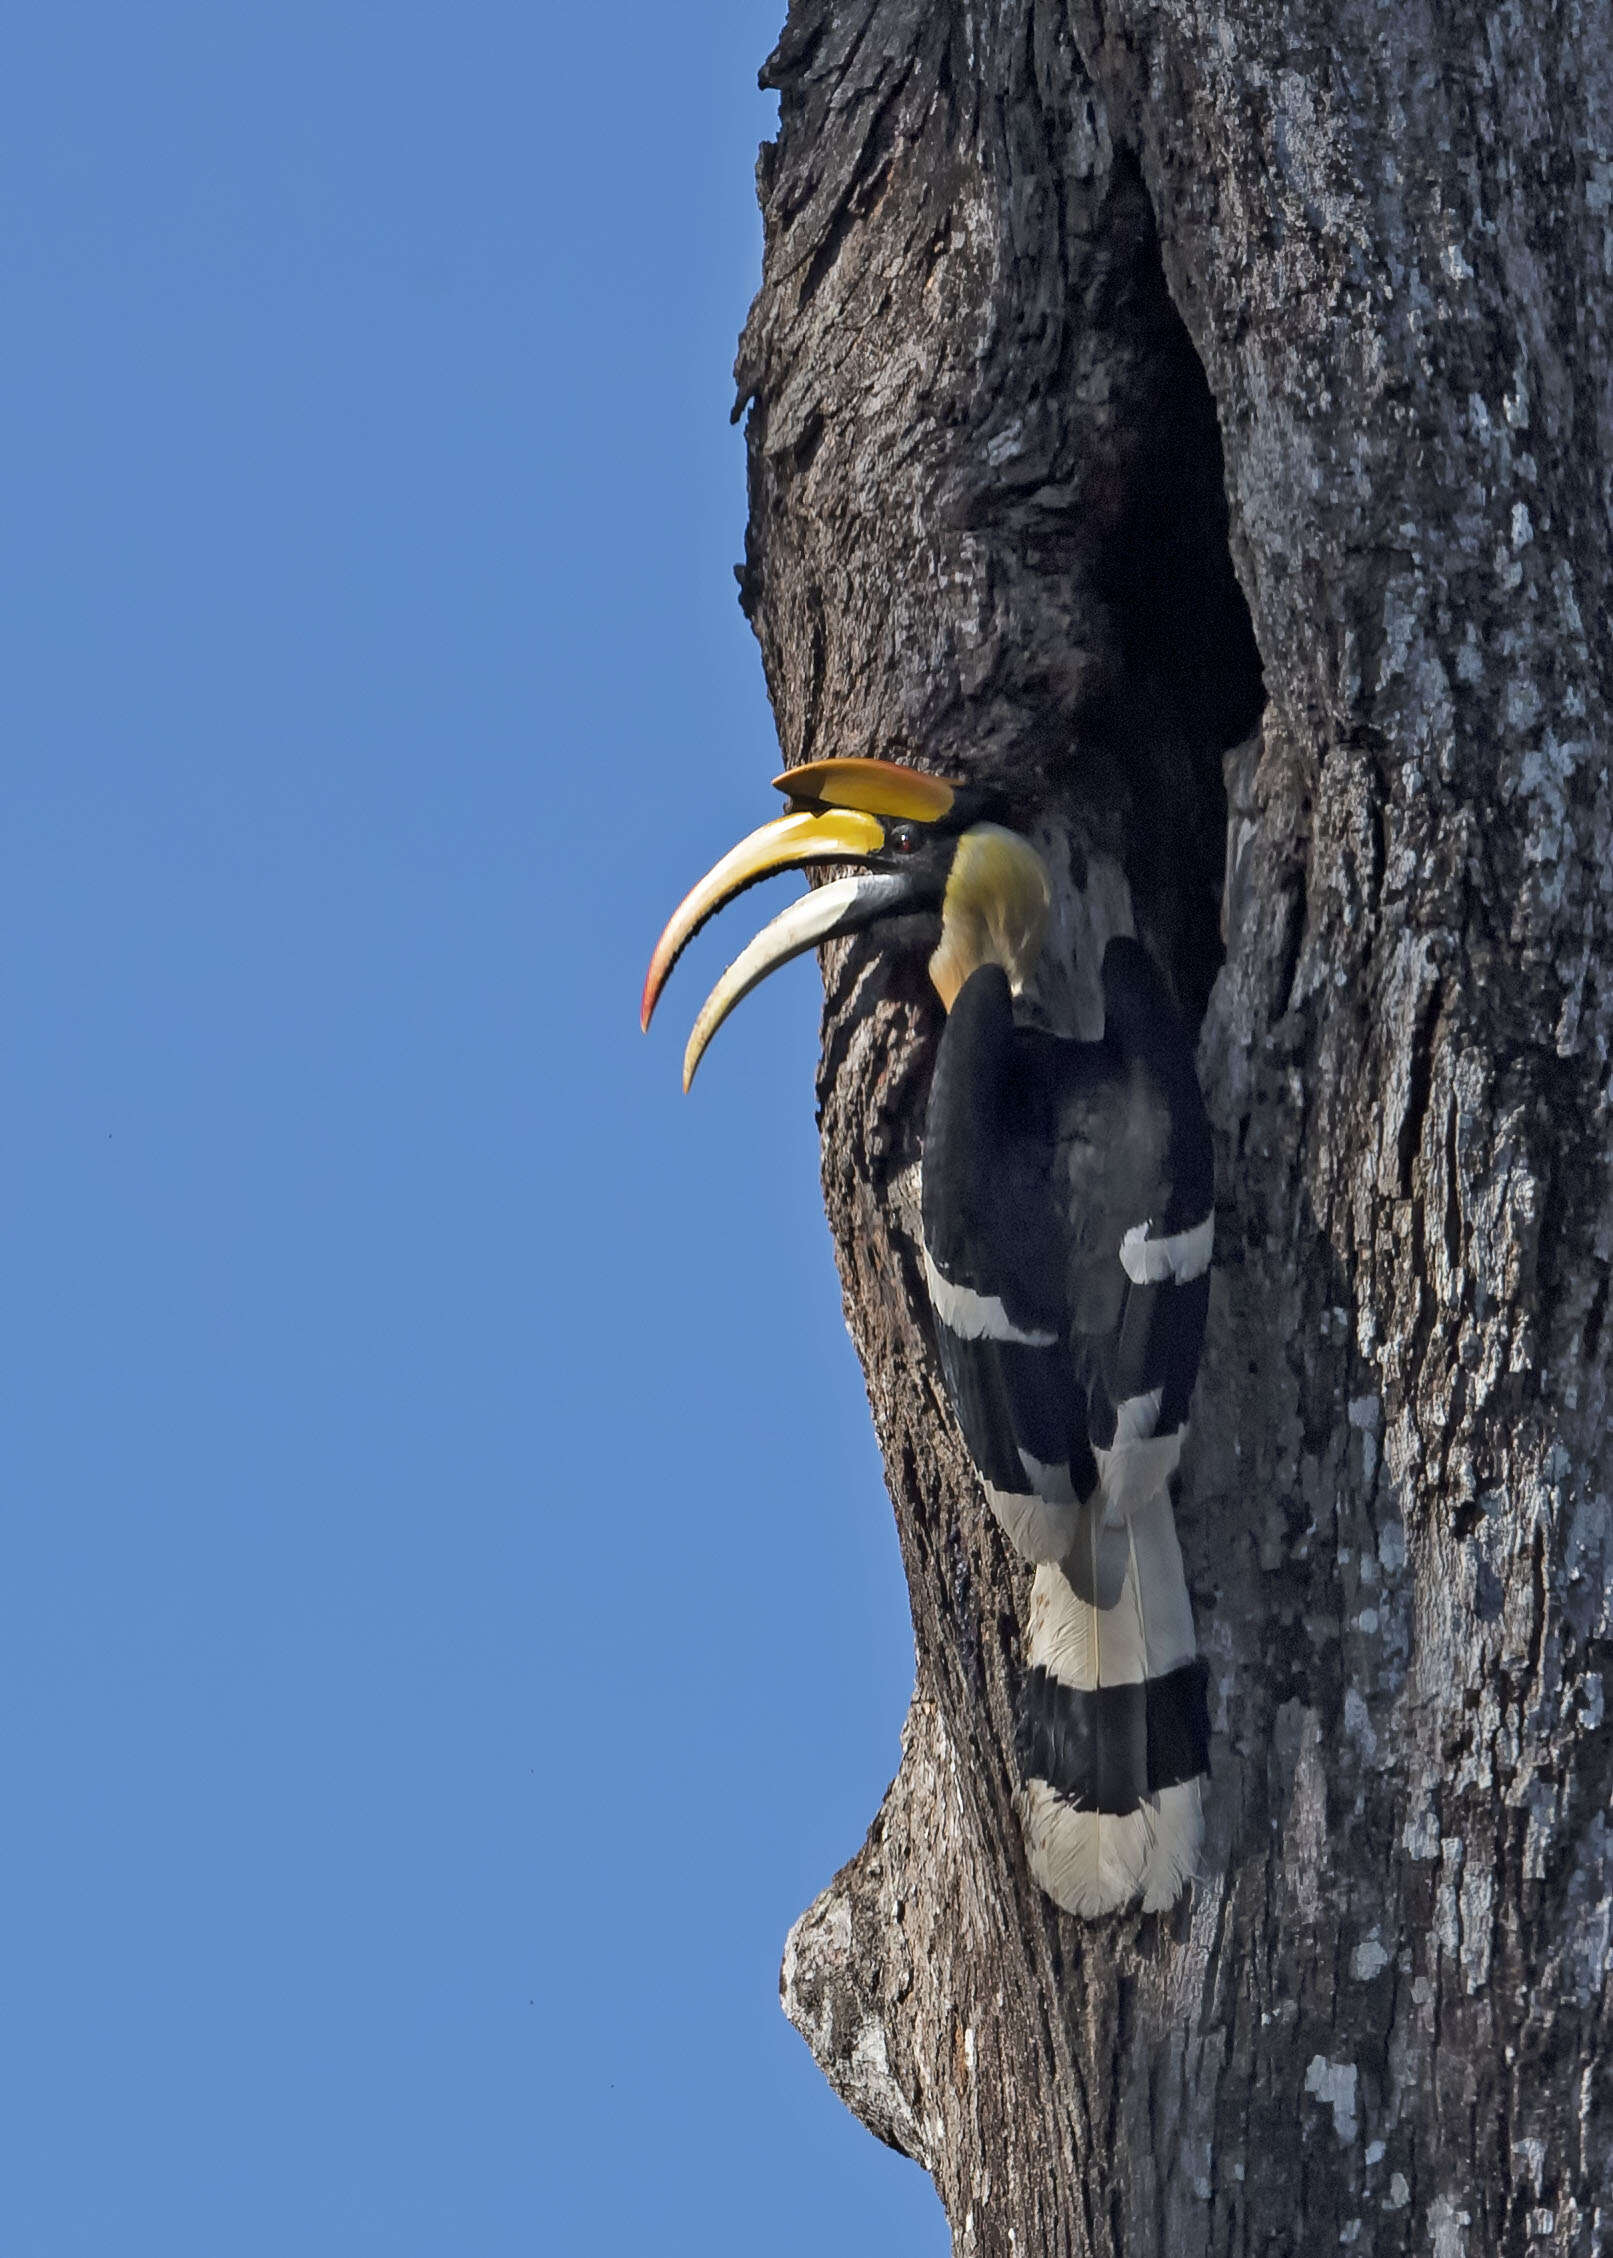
{"type": "Point", "coordinates": [920, 843]}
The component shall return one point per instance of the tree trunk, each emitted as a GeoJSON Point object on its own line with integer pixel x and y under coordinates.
{"type": "Point", "coordinates": [1075, 323]}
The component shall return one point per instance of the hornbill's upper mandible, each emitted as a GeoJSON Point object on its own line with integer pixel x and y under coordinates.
{"type": "Point", "coordinates": [1067, 1215]}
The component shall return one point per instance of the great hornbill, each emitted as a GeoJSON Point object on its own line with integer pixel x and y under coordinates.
{"type": "Point", "coordinates": [1067, 1225]}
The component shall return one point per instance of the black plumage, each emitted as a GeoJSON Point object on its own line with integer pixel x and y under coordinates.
{"type": "Point", "coordinates": [1054, 1170]}
{"type": "Point", "coordinates": [1040, 1154]}
{"type": "Point", "coordinates": [1106, 1750]}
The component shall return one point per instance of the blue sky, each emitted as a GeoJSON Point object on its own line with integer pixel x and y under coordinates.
{"type": "Point", "coordinates": [450, 1620]}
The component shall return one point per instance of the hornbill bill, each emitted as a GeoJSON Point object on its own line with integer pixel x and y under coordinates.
{"type": "Point", "coordinates": [1067, 1224]}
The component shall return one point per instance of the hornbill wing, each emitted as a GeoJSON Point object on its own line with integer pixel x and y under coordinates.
{"type": "Point", "coordinates": [1151, 1293]}
{"type": "Point", "coordinates": [1067, 1230]}
{"type": "Point", "coordinates": [994, 1257]}
{"type": "Point", "coordinates": [1114, 1728]}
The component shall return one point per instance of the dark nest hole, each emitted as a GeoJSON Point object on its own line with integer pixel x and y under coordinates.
{"type": "Point", "coordinates": [1183, 683]}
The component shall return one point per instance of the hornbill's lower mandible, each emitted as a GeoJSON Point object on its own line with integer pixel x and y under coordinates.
{"type": "Point", "coordinates": [1067, 1215]}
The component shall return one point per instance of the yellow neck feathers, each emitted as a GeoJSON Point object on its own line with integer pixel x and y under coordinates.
{"type": "Point", "coordinates": [995, 910]}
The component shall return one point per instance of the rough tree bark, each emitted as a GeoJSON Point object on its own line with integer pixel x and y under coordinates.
{"type": "Point", "coordinates": [1075, 322]}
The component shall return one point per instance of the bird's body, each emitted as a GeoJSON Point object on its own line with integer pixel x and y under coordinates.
{"type": "Point", "coordinates": [1067, 1223]}
{"type": "Point", "coordinates": [1045, 1161]}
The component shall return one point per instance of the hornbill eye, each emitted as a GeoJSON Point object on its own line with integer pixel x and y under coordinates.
{"type": "Point", "coordinates": [903, 838]}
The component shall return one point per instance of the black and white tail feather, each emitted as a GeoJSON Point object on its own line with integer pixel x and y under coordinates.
{"type": "Point", "coordinates": [1067, 1214]}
